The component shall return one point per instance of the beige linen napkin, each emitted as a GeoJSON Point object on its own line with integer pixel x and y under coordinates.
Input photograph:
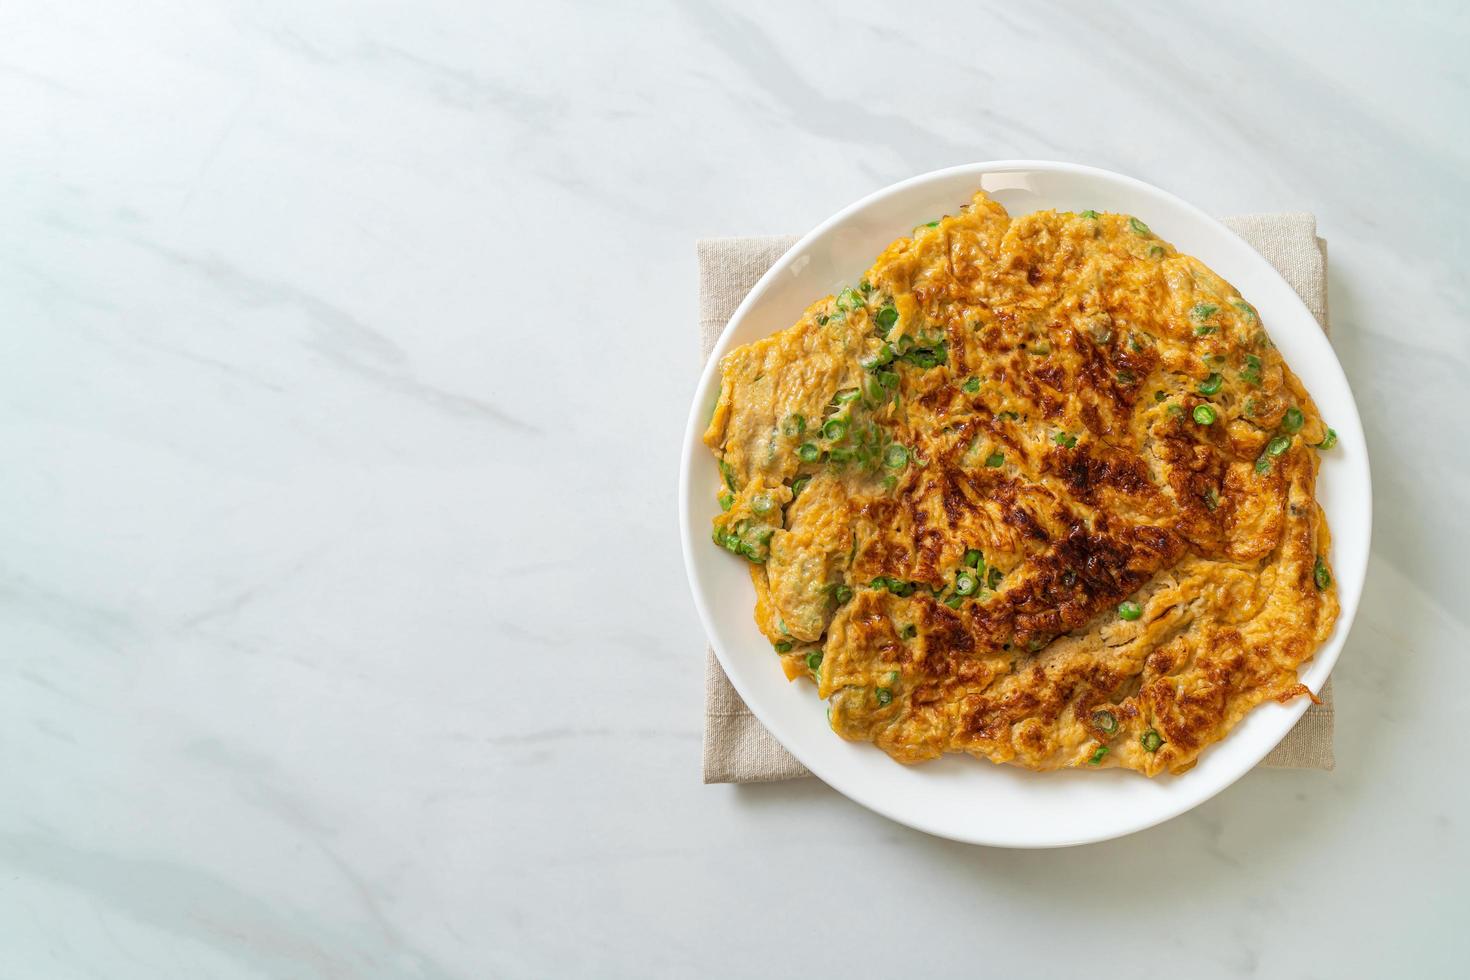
{"type": "Point", "coordinates": [737, 747]}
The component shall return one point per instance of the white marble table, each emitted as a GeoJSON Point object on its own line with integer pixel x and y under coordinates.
{"type": "Point", "coordinates": [345, 353]}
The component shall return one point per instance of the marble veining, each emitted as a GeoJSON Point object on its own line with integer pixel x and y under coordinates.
{"type": "Point", "coordinates": [346, 351]}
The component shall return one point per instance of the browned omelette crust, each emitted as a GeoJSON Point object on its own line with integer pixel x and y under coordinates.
{"type": "Point", "coordinates": [1056, 436]}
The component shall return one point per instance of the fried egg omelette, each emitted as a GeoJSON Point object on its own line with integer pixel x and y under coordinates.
{"type": "Point", "coordinates": [1040, 490]}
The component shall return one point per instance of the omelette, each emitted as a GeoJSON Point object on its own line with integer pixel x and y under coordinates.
{"type": "Point", "coordinates": [1040, 490]}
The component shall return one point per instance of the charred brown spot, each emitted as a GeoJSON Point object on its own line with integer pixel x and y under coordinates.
{"type": "Point", "coordinates": [1085, 572]}
{"type": "Point", "coordinates": [1053, 375]}
{"type": "Point", "coordinates": [945, 634]}
{"type": "Point", "coordinates": [990, 717]}
{"type": "Point", "coordinates": [1093, 420]}
{"type": "Point", "coordinates": [1161, 661]}
{"type": "Point", "coordinates": [936, 401]}
{"type": "Point", "coordinates": [1196, 473]}
{"type": "Point", "coordinates": [956, 504]}
{"type": "Point", "coordinates": [928, 546]}
{"type": "Point", "coordinates": [1086, 473]}
{"type": "Point", "coordinates": [926, 694]}
{"type": "Point", "coordinates": [1018, 516]}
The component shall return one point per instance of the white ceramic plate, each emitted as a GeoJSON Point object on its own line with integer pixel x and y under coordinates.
{"type": "Point", "coordinates": [958, 796]}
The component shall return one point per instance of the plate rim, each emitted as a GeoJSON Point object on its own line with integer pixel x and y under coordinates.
{"type": "Point", "coordinates": [692, 443]}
